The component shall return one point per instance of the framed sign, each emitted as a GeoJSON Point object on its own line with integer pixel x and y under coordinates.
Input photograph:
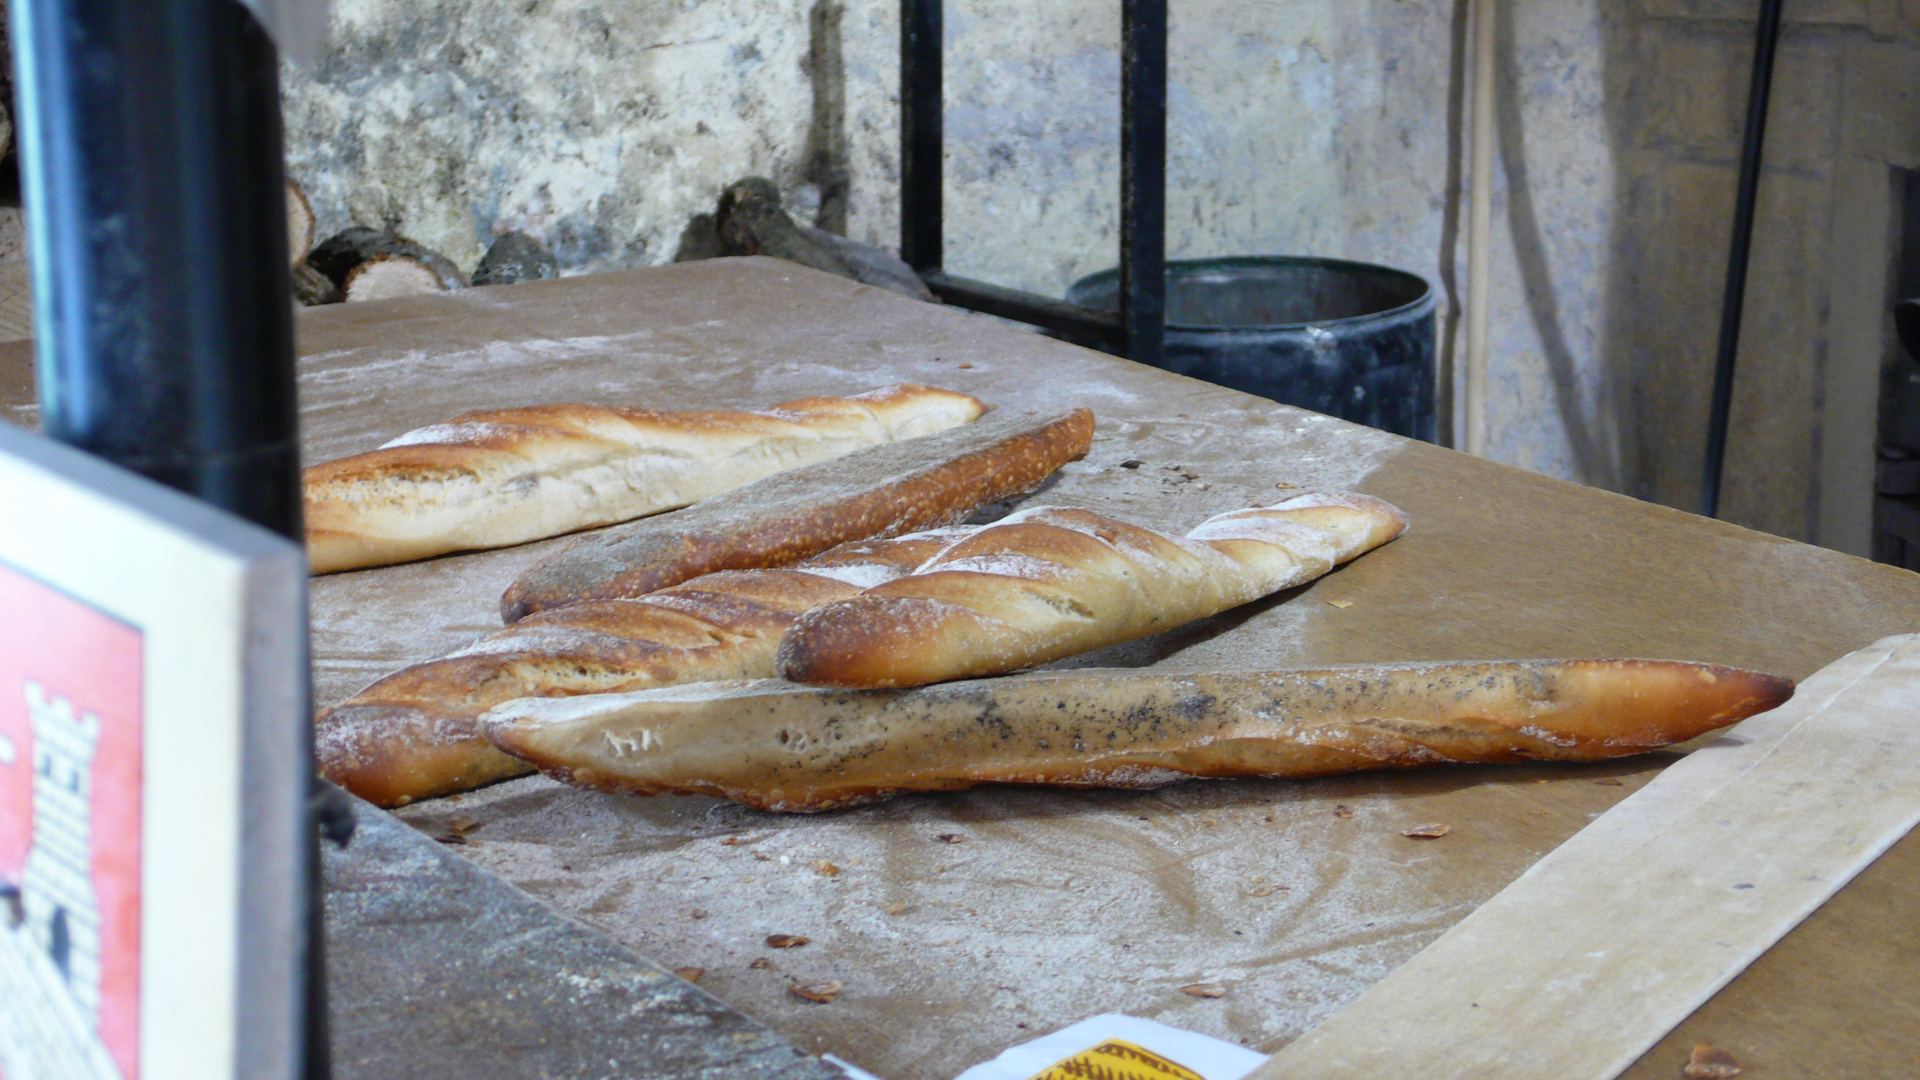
{"type": "Point", "coordinates": [154, 769]}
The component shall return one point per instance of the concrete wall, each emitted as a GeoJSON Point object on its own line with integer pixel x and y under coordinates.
{"type": "Point", "coordinates": [1298, 126]}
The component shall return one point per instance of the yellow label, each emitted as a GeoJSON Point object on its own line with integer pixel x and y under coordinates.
{"type": "Point", "coordinates": [1117, 1059]}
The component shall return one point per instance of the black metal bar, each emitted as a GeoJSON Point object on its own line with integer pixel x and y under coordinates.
{"type": "Point", "coordinates": [1765, 43]}
{"type": "Point", "coordinates": [922, 134]}
{"type": "Point", "coordinates": [1143, 178]}
{"type": "Point", "coordinates": [152, 156]}
{"type": "Point", "coordinates": [1083, 325]}
{"type": "Point", "coordinates": [151, 153]}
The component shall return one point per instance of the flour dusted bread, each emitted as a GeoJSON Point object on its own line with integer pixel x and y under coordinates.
{"type": "Point", "coordinates": [1049, 582]}
{"type": "Point", "coordinates": [507, 476]}
{"type": "Point", "coordinates": [412, 735]}
{"type": "Point", "coordinates": [880, 491]}
{"type": "Point", "coordinates": [775, 746]}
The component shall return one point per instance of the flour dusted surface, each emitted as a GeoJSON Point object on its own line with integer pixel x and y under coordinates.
{"type": "Point", "coordinates": [1052, 905]}
{"type": "Point", "coordinates": [975, 913]}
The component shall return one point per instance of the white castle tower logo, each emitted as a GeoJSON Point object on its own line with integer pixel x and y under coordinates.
{"type": "Point", "coordinates": [50, 960]}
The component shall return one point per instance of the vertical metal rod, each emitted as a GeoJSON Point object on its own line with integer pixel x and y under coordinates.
{"type": "Point", "coordinates": [922, 134]}
{"type": "Point", "coordinates": [1765, 43]}
{"type": "Point", "coordinates": [151, 159]}
{"type": "Point", "coordinates": [153, 169]}
{"type": "Point", "coordinates": [1143, 178]}
{"type": "Point", "coordinates": [1473, 397]}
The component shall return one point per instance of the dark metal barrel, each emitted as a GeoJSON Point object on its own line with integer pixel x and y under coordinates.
{"type": "Point", "coordinates": [1349, 339]}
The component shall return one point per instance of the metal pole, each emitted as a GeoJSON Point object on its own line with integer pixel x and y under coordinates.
{"type": "Point", "coordinates": [1473, 397]}
{"type": "Point", "coordinates": [1143, 178]}
{"type": "Point", "coordinates": [154, 182]}
{"type": "Point", "coordinates": [922, 134]}
{"type": "Point", "coordinates": [1766, 39]}
{"type": "Point", "coordinates": [151, 164]}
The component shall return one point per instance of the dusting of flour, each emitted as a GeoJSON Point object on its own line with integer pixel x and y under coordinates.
{"type": "Point", "coordinates": [986, 917]}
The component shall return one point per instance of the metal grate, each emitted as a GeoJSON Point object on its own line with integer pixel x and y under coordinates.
{"type": "Point", "coordinates": [1137, 329]}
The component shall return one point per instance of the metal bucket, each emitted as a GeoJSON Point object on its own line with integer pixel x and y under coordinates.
{"type": "Point", "coordinates": [1348, 339]}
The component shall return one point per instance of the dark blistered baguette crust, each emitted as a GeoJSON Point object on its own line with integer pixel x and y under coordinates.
{"type": "Point", "coordinates": [887, 490]}
{"type": "Point", "coordinates": [507, 476]}
{"type": "Point", "coordinates": [777, 746]}
{"type": "Point", "coordinates": [411, 735]}
{"type": "Point", "coordinates": [1049, 582]}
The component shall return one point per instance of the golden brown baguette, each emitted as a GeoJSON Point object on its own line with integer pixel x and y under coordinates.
{"type": "Point", "coordinates": [776, 746]}
{"type": "Point", "coordinates": [507, 476]}
{"type": "Point", "coordinates": [412, 734]}
{"type": "Point", "coordinates": [1050, 582]}
{"type": "Point", "coordinates": [885, 490]}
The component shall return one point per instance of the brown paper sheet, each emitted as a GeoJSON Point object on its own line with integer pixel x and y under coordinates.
{"type": "Point", "coordinates": [1621, 932]}
{"type": "Point", "coordinates": [962, 924]}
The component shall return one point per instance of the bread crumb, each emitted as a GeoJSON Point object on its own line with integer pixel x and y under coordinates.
{"type": "Point", "coordinates": [786, 941]}
{"type": "Point", "coordinates": [1341, 604]}
{"type": "Point", "coordinates": [1204, 990]}
{"type": "Point", "coordinates": [691, 974]}
{"type": "Point", "coordinates": [1430, 831]}
{"type": "Point", "coordinates": [826, 869]}
{"type": "Point", "coordinates": [821, 992]}
{"type": "Point", "coordinates": [1343, 811]}
{"type": "Point", "coordinates": [1709, 1062]}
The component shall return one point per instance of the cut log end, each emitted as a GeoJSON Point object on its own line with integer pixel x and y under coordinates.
{"type": "Point", "coordinates": [299, 225]}
{"type": "Point", "coordinates": [387, 276]}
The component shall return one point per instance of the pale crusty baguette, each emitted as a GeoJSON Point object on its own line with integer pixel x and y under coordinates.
{"type": "Point", "coordinates": [1050, 582]}
{"type": "Point", "coordinates": [881, 491]}
{"type": "Point", "coordinates": [412, 734]}
{"type": "Point", "coordinates": [776, 746]}
{"type": "Point", "coordinates": [507, 476]}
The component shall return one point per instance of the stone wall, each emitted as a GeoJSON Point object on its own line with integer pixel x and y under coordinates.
{"type": "Point", "coordinates": [1297, 126]}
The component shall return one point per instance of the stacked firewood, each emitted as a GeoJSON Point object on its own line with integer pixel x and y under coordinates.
{"type": "Point", "coordinates": [362, 263]}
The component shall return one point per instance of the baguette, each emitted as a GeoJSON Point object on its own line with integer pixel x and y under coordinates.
{"type": "Point", "coordinates": [507, 476]}
{"type": "Point", "coordinates": [881, 491]}
{"type": "Point", "coordinates": [775, 746]}
{"type": "Point", "coordinates": [1049, 582]}
{"type": "Point", "coordinates": [412, 734]}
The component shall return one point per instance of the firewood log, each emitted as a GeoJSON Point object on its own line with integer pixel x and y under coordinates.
{"type": "Point", "coordinates": [339, 255]}
{"type": "Point", "coordinates": [313, 288]}
{"type": "Point", "coordinates": [384, 277]}
{"type": "Point", "coordinates": [299, 225]}
{"type": "Point", "coordinates": [516, 257]}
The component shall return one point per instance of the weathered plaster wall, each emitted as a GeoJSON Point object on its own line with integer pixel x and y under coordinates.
{"type": "Point", "coordinates": [601, 127]}
{"type": "Point", "coordinates": [1297, 126]}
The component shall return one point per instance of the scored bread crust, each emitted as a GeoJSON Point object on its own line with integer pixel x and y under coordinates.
{"type": "Point", "coordinates": [506, 476]}
{"type": "Point", "coordinates": [777, 746]}
{"type": "Point", "coordinates": [1050, 582]}
{"type": "Point", "coordinates": [882, 491]}
{"type": "Point", "coordinates": [412, 735]}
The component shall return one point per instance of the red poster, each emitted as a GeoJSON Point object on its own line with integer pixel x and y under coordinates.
{"type": "Point", "coordinates": [70, 775]}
